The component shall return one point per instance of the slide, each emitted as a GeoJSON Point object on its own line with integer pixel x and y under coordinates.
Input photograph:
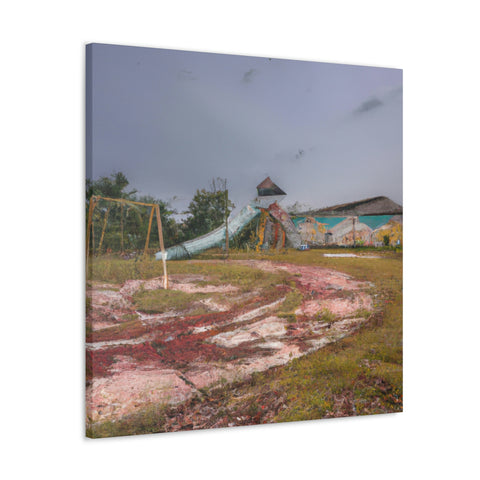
{"type": "Point", "coordinates": [283, 217]}
{"type": "Point", "coordinates": [215, 238]}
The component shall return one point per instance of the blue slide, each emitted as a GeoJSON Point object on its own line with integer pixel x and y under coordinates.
{"type": "Point", "coordinates": [215, 238]}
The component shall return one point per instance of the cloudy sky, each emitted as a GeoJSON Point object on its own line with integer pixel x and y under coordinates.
{"type": "Point", "coordinates": [172, 120]}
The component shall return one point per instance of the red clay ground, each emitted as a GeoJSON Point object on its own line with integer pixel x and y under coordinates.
{"type": "Point", "coordinates": [135, 359]}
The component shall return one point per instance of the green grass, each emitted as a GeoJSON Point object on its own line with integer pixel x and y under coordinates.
{"type": "Point", "coordinates": [292, 301]}
{"type": "Point", "coordinates": [148, 420]}
{"type": "Point", "coordinates": [326, 316]}
{"type": "Point", "coordinates": [116, 270]}
{"type": "Point", "coordinates": [361, 374]}
{"type": "Point", "coordinates": [161, 301]}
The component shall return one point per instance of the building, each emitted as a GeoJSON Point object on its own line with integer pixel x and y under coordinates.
{"type": "Point", "coordinates": [373, 221]}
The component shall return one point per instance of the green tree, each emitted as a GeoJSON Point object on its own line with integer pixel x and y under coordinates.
{"type": "Point", "coordinates": [170, 228]}
{"type": "Point", "coordinates": [112, 187]}
{"type": "Point", "coordinates": [127, 225]}
{"type": "Point", "coordinates": [207, 210]}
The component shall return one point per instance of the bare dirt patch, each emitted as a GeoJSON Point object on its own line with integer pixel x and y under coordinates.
{"type": "Point", "coordinates": [145, 358]}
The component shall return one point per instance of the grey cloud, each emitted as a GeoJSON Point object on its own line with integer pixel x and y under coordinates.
{"type": "Point", "coordinates": [396, 92]}
{"type": "Point", "coordinates": [378, 100]}
{"type": "Point", "coordinates": [368, 105]}
{"type": "Point", "coordinates": [248, 76]}
{"type": "Point", "coordinates": [171, 135]}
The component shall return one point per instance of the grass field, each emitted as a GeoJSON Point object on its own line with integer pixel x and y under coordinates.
{"type": "Point", "coordinates": [358, 375]}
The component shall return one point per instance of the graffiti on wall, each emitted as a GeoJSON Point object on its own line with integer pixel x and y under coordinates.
{"type": "Point", "coordinates": [311, 229]}
{"type": "Point", "coordinates": [391, 232]}
{"type": "Point", "coordinates": [362, 230]}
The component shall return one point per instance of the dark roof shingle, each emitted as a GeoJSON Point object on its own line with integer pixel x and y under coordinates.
{"type": "Point", "coordinates": [368, 206]}
{"type": "Point", "coordinates": [268, 188]}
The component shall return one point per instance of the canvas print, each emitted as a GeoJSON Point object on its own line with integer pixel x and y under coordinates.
{"type": "Point", "coordinates": [243, 240]}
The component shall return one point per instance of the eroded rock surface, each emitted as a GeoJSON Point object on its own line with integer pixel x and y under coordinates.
{"type": "Point", "coordinates": [135, 359]}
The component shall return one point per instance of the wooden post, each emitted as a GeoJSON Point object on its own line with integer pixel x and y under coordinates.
{"type": "Point", "coordinates": [89, 221]}
{"type": "Point", "coordinates": [89, 227]}
{"type": "Point", "coordinates": [93, 236]}
{"type": "Point", "coordinates": [353, 220]}
{"type": "Point", "coordinates": [121, 228]}
{"type": "Point", "coordinates": [154, 209]}
{"type": "Point", "coordinates": [162, 247]}
{"type": "Point", "coordinates": [103, 231]}
{"type": "Point", "coordinates": [149, 228]}
{"type": "Point", "coordinates": [226, 219]}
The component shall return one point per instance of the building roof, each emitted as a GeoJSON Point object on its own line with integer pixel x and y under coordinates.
{"type": "Point", "coordinates": [268, 188]}
{"type": "Point", "coordinates": [368, 206]}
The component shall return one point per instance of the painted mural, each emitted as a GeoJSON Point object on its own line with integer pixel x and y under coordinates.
{"type": "Point", "coordinates": [371, 230]}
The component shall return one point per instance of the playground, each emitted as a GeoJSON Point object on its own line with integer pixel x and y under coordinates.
{"type": "Point", "coordinates": [172, 336]}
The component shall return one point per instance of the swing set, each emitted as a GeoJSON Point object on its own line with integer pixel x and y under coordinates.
{"type": "Point", "coordinates": [155, 209]}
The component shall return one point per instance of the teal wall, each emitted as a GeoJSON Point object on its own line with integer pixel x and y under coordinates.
{"type": "Point", "coordinates": [330, 221]}
{"type": "Point", "coordinates": [373, 221]}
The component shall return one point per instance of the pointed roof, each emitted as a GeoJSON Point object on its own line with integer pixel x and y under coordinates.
{"type": "Point", "coordinates": [268, 188]}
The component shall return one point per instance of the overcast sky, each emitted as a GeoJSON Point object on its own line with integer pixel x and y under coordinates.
{"type": "Point", "coordinates": [172, 120]}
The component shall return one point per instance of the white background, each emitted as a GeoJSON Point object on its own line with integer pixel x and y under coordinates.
{"type": "Point", "coordinates": [42, 153]}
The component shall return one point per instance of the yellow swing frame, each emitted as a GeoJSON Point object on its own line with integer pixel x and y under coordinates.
{"type": "Point", "coordinates": [154, 209]}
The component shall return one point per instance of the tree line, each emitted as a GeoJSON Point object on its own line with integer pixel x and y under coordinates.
{"type": "Point", "coordinates": [123, 227]}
